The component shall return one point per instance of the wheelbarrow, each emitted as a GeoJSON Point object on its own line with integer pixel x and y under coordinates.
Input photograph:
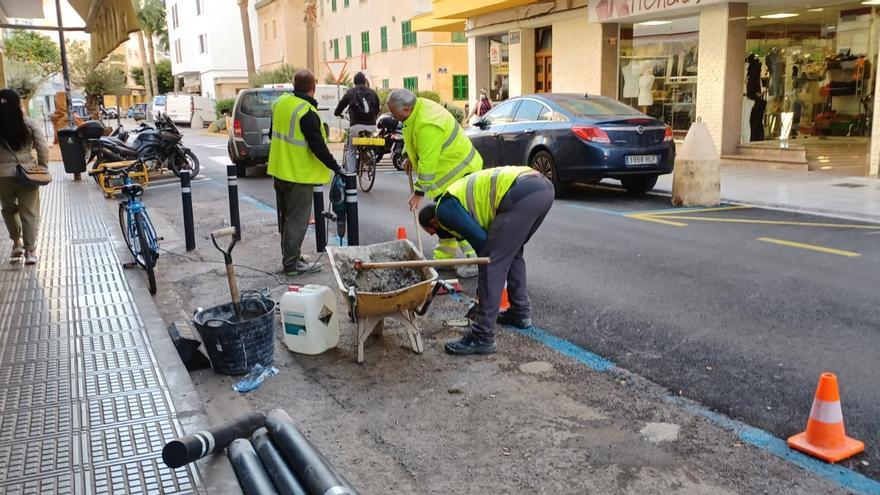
{"type": "Point", "coordinates": [375, 289]}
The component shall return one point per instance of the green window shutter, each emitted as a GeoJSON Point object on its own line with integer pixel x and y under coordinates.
{"type": "Point", "coordinates": [345, 3]}
{"type": "Point", "coordinates": [460, 87]}
{"type": "Point", "coordinates": [336, 49]}
{"type": "Point", "coordinates": [333, 5]}
{"type": "Point", "coordinates": [411, 83]}
{"type": "Point", "coordinates": [459, 37]}
{"type": "Point", "coordinates": [386, 83]}
{"type": "Point", "coordinates": [383, 37]}
{"type": "Point", "coordinates": [348, 46]}
{"type": "Point", "coordinates": [365, 42]}
{"type": "Point", "coordinates": [409, 37]}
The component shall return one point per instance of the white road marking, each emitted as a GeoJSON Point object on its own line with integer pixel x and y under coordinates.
{"type": "Point", "coordinates": [214, 146]}
{"type": "Point", "coordinates": [221, 159]}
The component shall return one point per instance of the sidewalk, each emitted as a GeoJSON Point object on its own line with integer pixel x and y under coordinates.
{"type": "Point", "coordinates": [854, 198]}
{"type": "Point", "coordinates": [90, 386]}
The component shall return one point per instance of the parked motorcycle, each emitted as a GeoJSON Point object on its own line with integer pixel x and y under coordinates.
{"type": "Point", "coordinates": [392, 131]}
{"type": "Point", "coordinates": [160, 147]}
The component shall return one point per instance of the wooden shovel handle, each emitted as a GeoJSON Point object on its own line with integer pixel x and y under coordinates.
{"type": "Point", "coordinates": [423, 263]}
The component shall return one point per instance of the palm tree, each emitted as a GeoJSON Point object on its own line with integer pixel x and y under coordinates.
{"type": "Point", "coordinates": [151, 16]}
{"type": "Point", "coordinates": [248, 44]}
{"type": "Point", "coordinates": [310, 18]}
{"type": "Point", "coordinates": [148, 83]}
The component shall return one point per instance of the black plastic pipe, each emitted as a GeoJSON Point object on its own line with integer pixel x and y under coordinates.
{"type": "Point", "coordinates": [232, 185]}
{"type": "Point", "coordinates": [351, 207]}
{"type": "Point", "coordinates": [320, 227]}
{"type": "Point", "coordinates": [252, 477]}
{"type": "Point", "coordinates": [181, 452]}
{"type": "Point", "coordinates": [313, 471]}
{"type": "Point", "coordinates": [282, 476]}
{"type": "Point", "coordinates": [186, 197]}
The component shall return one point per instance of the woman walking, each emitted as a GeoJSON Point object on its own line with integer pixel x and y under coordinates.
{"type": "Point", "coordinates": [20, 203]}
{"type": "Point", "coordinates": [482, 105]}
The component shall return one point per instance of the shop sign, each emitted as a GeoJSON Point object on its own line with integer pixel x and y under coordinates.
{"type": "Point", "coordinates": [636, 10]}
{"type": "Point", "coordinates": [494, 52]}
{"type": "Point", "coordinates": [502, 69]}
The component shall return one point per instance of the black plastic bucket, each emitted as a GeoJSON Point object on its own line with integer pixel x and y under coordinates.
{"type": "Point", "coordinates": [234, 346]}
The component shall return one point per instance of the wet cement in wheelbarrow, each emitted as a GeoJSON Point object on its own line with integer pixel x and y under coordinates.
{"type": "Point", "coordinates": [382, 280]}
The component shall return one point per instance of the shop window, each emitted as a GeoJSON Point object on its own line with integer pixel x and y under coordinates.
{"type": "Point", "coordinates": [544, 60]}
{"type": "Point", "coordinates": [383, 38]}
{"type": "Point", "coordinates": [365, 42]}
{"type": "Point", "coordinates": [348, 46]}
{"type": "Point", "coordinates": [459, 37]}
{"type": "Point", "coordinates": [658, 70]}
{"type": "Point", "coordinates": [409, 37]}
{"type": "Point", "coordinates": [499, 68]}
{"type": "Point", "coordinates": [411, 83]}
{"type": "Point", "coordinates": [386, 83]}
{"type": "Point", "coordinates": [460, 87]}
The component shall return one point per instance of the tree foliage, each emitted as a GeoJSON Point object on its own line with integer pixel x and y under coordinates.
{"type": "Point", "coordinates": [345, 80]}
{"type": "Point", "coordinates": [281, 75]}
{"type": "Point", "coordinates": [35, 49]}
{"type": "Point", "coordinates": [104, 79]}
{"type": "Point", "coordinates": [224, 106]}
{"type": "Point", "coordinates": [163, 70]}
{"type": "Point", "coordinates": [152, 18]}
{"type": "Point", "coordinates": [24, 78]}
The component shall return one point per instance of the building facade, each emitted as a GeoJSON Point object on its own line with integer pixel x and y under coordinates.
{"type": "Point", "coordinates": [377, 38]}
{"type": "Point", "coordinates": [791, 83]}
{"type": "Point", "coordinates": [282, 33]}
{"type": "Point", "coordinates": [207, 46]}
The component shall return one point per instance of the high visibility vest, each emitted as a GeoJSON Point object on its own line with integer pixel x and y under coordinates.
{"type": "Point", "coordinates": [481, 192]}
{"type": "Point", "coordinates": [458, 157]}
{"type": "Point", "coordinates": [290, 158]}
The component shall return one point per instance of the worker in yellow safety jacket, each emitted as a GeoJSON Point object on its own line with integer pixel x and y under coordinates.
{"type": "Point", "coordinates": [440, 153]}
{"type": "Point", "coordinates": [497, 210]}
{"type": "Point", "coordinates": [298, 160]}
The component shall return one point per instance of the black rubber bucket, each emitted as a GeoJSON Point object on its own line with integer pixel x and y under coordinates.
{"type": "Point", "coordinates": [235, 346]}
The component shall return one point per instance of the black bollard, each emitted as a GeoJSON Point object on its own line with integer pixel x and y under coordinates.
{"type": "Point", "coordinates": [232, 183]}
{"type": "Point", "coordinates": [351, 204]}
{"type": "Point", "coordinates": [252, 477]}
{"type": "Point", "coordinates": [186, 197]}
{"type": "Point", "coordinates": [275, 464]}
{"type": "Point", "coordinates": [312, 470]}
{"type": "Point", "coordinates": [320, 227]}
{"type": "Point", "coordinates": [181, 452]}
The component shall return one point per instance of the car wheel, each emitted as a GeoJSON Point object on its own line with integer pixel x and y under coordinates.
{"type": "Point", "coordinates": [543, 162]}
{"type": "Point", "coordinates": [639, 184]}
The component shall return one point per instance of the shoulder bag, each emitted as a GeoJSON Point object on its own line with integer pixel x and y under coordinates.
{"type": "Point", "coordinates": [30, 175]}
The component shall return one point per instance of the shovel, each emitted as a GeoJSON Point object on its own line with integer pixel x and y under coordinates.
{"type": "Point", "coordinates": [230, 268]}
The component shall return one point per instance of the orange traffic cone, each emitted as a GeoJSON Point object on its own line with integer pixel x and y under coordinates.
{"type": "Point", "coordinates": [825, 436]}
{"type": "Point", "coordinates": [401, 233]}
{"type": "Point", "coordinates": [505, 303]}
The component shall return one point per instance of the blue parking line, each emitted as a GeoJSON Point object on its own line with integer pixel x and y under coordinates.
{"type": "Point", "coordinates": [597, 210]}
{"type": "Point", "coordinates": [757, 437]}
{"type": "Point", "coordinates": [256, 202]}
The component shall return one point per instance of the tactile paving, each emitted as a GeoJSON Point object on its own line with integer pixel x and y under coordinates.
{"type": "Point", "coordinates": [83, 405]}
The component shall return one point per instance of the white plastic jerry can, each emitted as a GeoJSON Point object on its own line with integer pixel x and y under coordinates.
{"type": "Point", "coordinates": [309, 319]}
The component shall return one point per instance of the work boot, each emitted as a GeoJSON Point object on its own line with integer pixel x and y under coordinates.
{"type": "Point", "coordinates": [512, 320]}
{"type": "Point", "coordinates": [303, 266]}
{"type": "Point", "coordinates": [30, 258]}
{"type": "Point", "coordinates": [470, 344]}
{"type": "Point", "coordinates": [466, 271]}
{"type": "Point", "coordinates": [17, 253]}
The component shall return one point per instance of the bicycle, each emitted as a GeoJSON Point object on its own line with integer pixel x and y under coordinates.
{"type": "Point", "coordinates": [137, 229]}
{"type": "Point", "coordinates": [365, 158]}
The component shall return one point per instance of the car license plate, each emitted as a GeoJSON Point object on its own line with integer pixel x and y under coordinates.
{"type": "Point", "coordinates": [642, 160]}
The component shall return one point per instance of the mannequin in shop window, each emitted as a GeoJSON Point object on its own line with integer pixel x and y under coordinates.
{"type": "Point", "coordinates": [631, 73]}
{"type": "Point", "coordinates": [755, 104]}
{"type": "Point", "coordinates": [646, 88]}
{"type": "Point", "coordinates": [776, 67]}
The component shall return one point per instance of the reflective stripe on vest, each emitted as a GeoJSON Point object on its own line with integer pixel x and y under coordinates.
{"type": "Point", "coordinates": [493, 192]}
{"type": "Point", "coordinates": [444, 181]}
{"type": "Point", "coordinates": [290, 137]}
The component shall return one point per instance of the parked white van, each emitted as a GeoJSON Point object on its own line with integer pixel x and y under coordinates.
{"type": "Point", "coordinates": [158, 107]}
{"type": "Point", "coordinates": [327, 96]}
{"type": "Point", "coordinates": [193, 110]}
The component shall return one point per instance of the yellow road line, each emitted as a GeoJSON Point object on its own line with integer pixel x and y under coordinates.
{"type": "Point", "coordinates": [810, 247]}
{"type": "Point", "coordinates": [692, 211]}
{"type": "Point", "coordinates": [650, 218]}
{"type": "Point", "coordinates": [775, 222]}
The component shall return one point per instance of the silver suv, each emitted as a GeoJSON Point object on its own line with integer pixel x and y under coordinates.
{"type": "Point", "coordinates": [249, 133]}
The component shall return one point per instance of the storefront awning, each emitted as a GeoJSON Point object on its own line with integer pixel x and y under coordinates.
{"type": "Point", "coordinates": [465, 9]}
{"type": "Point", "coordinates": [427, 22]}
{"type": "Point", "coordinates": [108, 21]}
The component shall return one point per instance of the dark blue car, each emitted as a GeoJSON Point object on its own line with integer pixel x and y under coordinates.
{"type": "Point", "coordinates": [576, 138]}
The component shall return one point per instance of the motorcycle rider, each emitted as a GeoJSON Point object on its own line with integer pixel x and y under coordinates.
{"type": "Point", "coordinates": [363, 109]}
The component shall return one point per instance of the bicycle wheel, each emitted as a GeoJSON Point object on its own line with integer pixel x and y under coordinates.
{"type": "Point", "coordinates": [126, 233]}
{"type": "Point", "coordinates": [147, 255]}
{"type": "Point", "coordinates": [367, 170]}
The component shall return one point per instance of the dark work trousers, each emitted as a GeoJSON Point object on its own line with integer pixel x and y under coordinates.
{"type": "Point", "coordinates": [519, 215]}
{"type": "Point", "coordinates": [293, 202]}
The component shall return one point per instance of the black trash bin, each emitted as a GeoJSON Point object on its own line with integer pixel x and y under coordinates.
{"type": "Point", "coordinates": [73, 151]}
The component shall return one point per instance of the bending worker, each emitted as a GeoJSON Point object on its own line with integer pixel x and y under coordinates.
{"type": "Point", "coordinates": [440, 153]}
{"type": "Point", "coordinates": [497, 210]}
{"type": "Point", "coordinates": [298, 160]}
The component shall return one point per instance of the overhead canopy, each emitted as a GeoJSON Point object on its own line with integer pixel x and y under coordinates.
{"type": "Point", "coordinates": [108, 21]}
{"type": "Point", "coordinates": [17, 8]}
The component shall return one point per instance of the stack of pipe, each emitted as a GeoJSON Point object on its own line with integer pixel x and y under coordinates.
{"type": "Point", "coordinates": [268, 454]}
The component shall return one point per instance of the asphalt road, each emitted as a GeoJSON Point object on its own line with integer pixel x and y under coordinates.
{"type": "Point", "coordinates": [739, 309]}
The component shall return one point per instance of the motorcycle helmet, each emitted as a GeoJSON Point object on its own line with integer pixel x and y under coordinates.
{"type": "Point", "coordinates": [387, 122]}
